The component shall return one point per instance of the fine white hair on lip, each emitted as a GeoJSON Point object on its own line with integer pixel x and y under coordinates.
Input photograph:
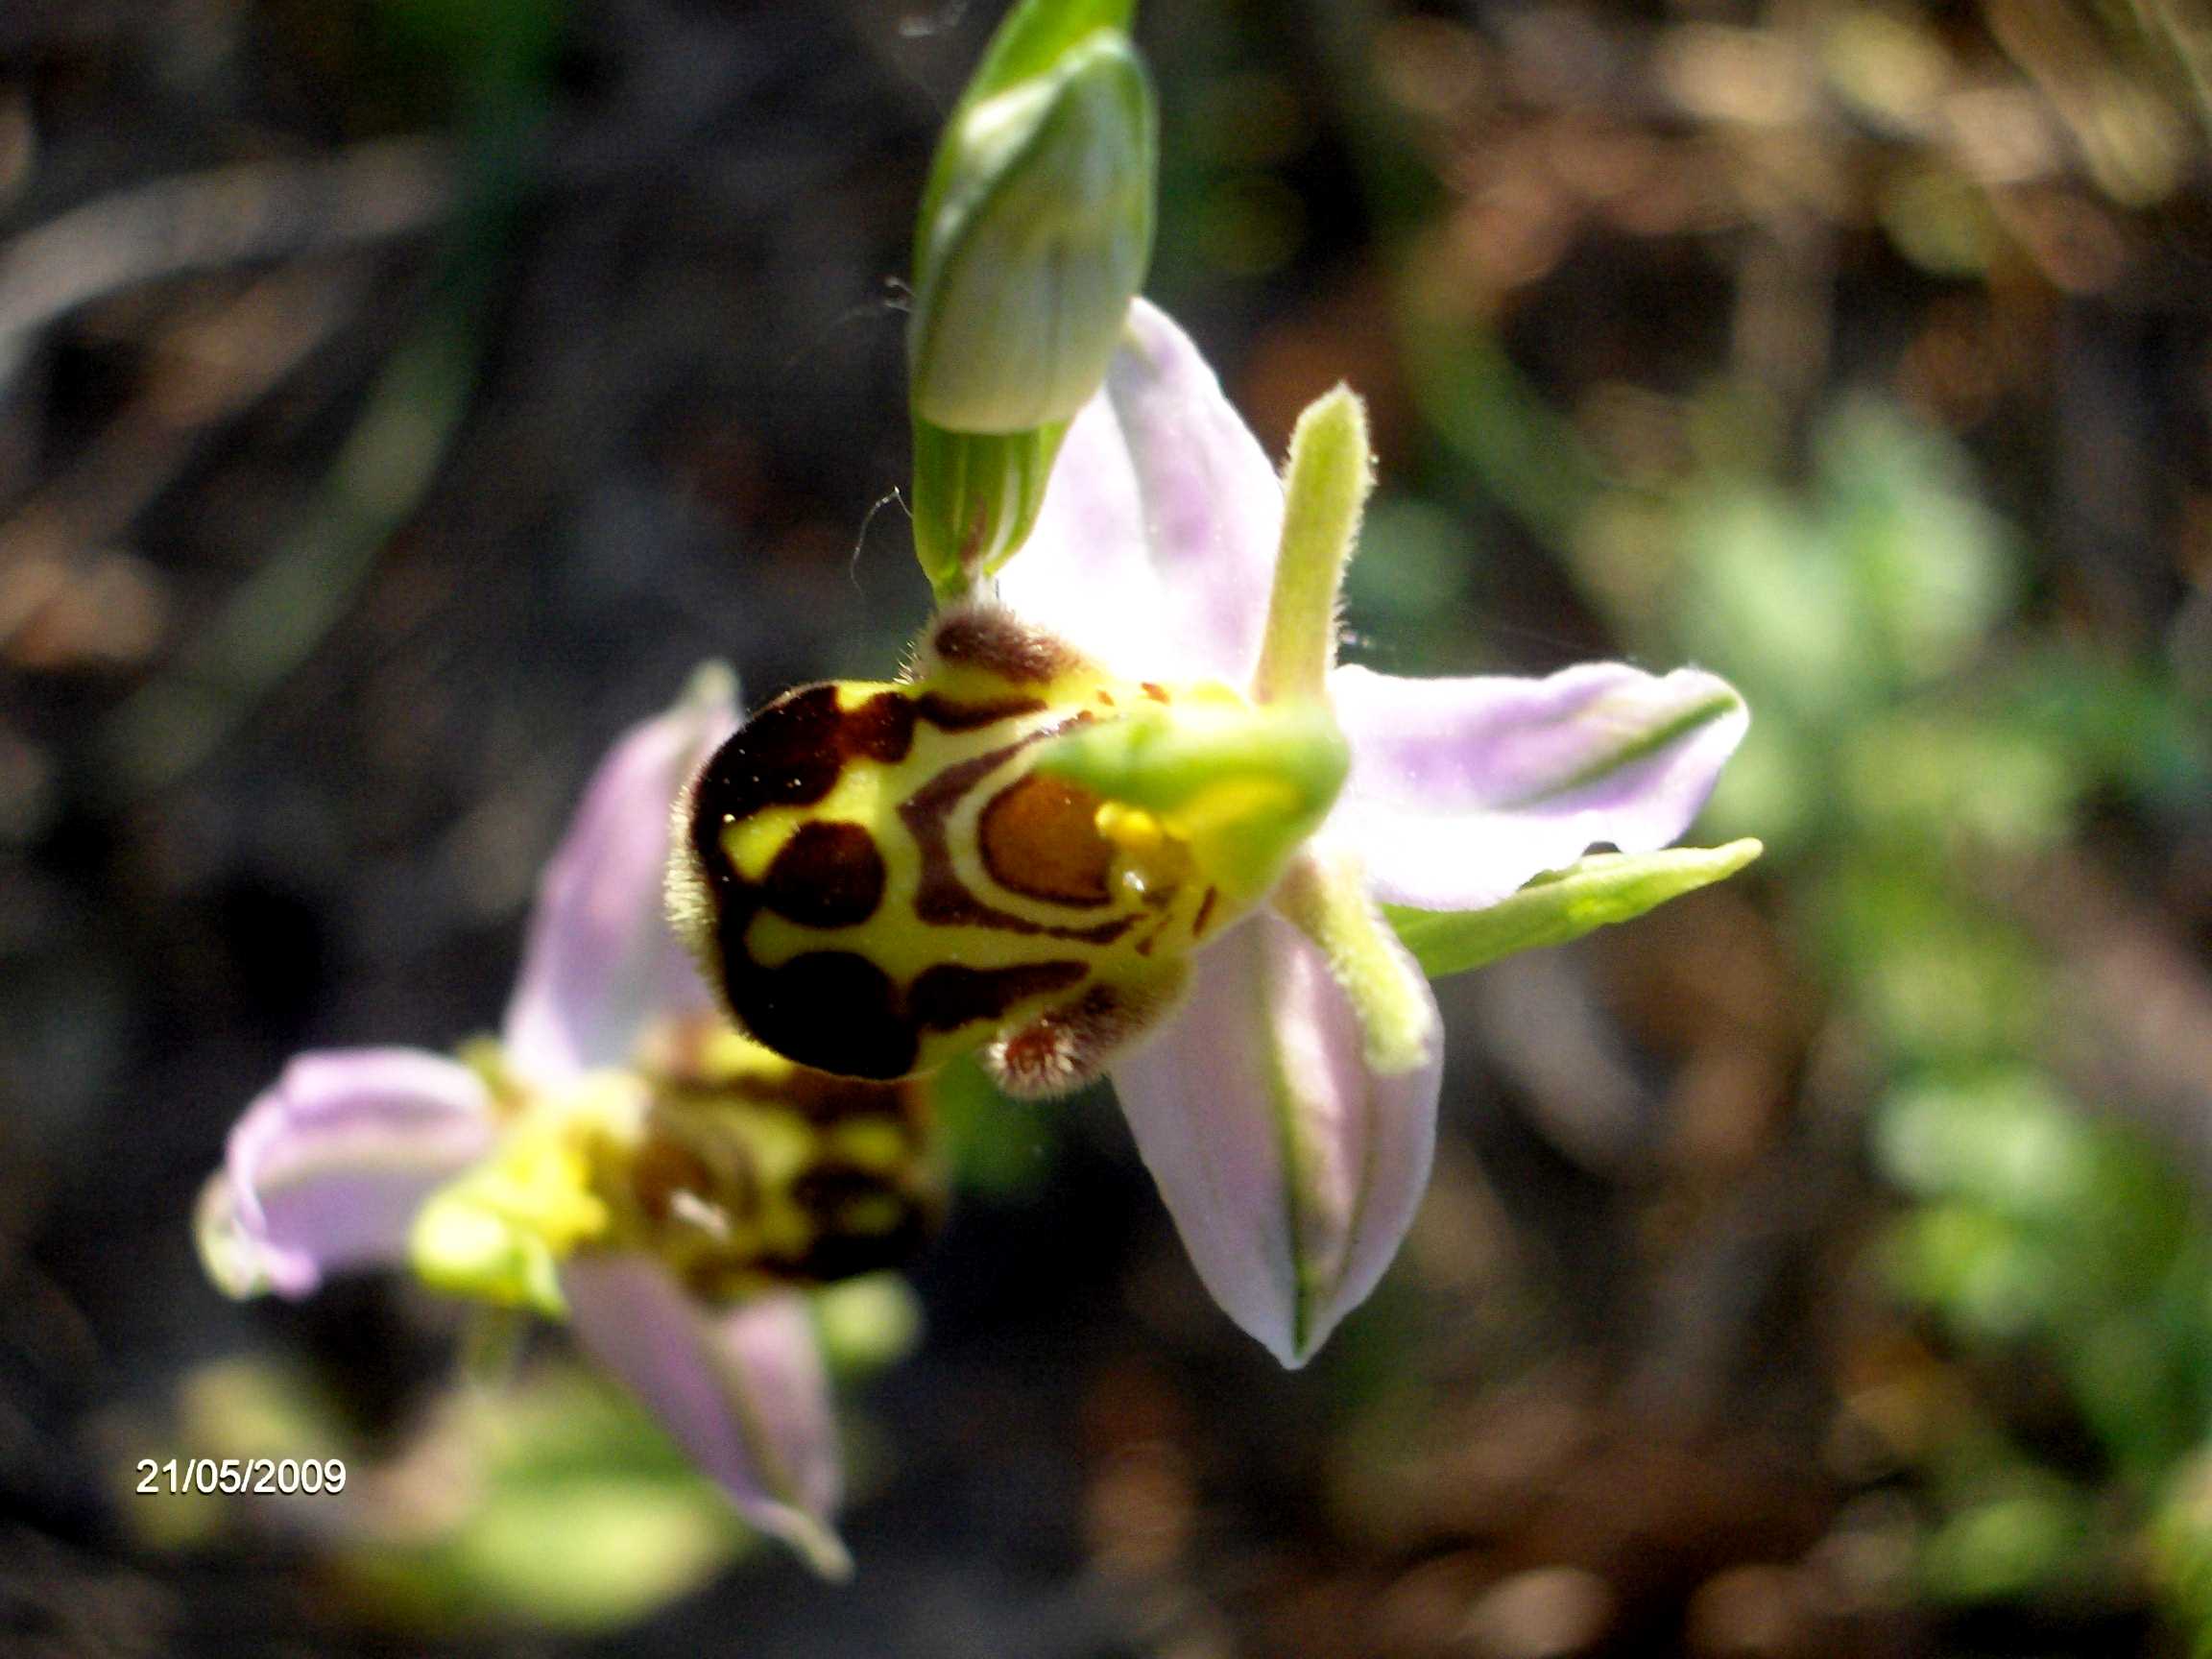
{"type": "Point", "coordinates": [1066, 1049]}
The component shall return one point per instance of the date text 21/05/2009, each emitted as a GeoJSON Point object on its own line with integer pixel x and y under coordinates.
{"type": "Point", "coordinates": [254, 1475]}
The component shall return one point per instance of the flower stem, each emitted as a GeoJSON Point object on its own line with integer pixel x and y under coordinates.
{"type": "Point", "coordinates": [1325, 486]}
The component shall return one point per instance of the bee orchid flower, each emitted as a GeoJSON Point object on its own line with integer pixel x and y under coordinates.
{"type": "Point", "coordinates": [619, 1156]}
{"type": "Point", "coordinates": [1126, 815]}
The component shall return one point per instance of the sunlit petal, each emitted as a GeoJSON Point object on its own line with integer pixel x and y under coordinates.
{"type": "Point", "coordinates": [1155, 548]}
{"type": "Point", "coordinates": [1463, 790]}
{"type": "Point", "coordinates": [600, 961]}
{"type": "Point", "coordinates": [741, 1390]}
{"type": "Point", "coordinates": [324, 1171]}
{"type": "Point", "coordinates": [1293, 1169]}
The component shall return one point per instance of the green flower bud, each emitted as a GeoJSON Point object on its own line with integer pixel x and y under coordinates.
{"type": "Point", "coordinates": [975, 497]}
{"type": "Point", "coordinates": [1035, 233]}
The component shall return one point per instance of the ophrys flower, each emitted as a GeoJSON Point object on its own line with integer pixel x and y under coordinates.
{"type": "Point", "coordinates": [1127, 813]}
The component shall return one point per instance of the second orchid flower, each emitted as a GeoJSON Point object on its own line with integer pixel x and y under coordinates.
{"type": "Point", "coordinates": [618, 1158]}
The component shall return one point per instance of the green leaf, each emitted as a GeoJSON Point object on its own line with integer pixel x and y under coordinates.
{"type": "Point", "coordinates": [568, 1510]}
{"type": "Point", "coordinates": [2032, 1541]}
{"type": "Point", "coordinates": [1593, 893]}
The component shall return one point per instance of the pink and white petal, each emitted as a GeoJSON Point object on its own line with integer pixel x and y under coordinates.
{"type": "Point", "coordinates": [1291, 1169]}
{"type": "Point", "coordinates": [1461, 790]}
{"type": "Point", "coordinates": [1154, 550]}
{"type": "Point", "coordinates": [324, 1171]}
{"type": "Point", "coordinates": [600, 962]}
{"type": "Point", "coordinates": [741, 1390]}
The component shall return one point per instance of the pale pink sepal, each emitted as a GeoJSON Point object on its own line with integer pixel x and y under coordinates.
{"type": "Point", "coordinates": [1154, 550]}
{"type": "Point", "coordinates": [1291, 1170]}
{"type": "Point", "coordinates": [741, 1390]}
{"type": "Point", "coordinates": [323, 1172]}
{"type": "Point", "coordinates": [1463, 790]}
{"type": "Point", "coordinates": [600, 962]}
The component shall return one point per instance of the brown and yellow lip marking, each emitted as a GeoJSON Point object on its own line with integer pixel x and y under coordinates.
{"type": "Point", "coordinates": [877, 879]}
{"type": "Point", "coordinates": [752, 1173]}
{"type": "Point", "coordinates": [1060, 1049]}
{"type": "Point", "coordinates": [826, 876]}
{"type": "Point", "coordinates": [949, 996]}
{"type": "Point", "coordinates": [943, 897]}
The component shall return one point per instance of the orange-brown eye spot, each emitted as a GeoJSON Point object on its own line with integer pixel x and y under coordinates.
{"type": "Point", "coordinates": [941, 899]}
{"type": "Point", "coordinates": [1040, 838]}
{"type": "Point", "coordinates": [828, 875]}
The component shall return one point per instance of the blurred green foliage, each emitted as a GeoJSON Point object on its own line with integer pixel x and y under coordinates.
{"type": "Point", "coordinates": [472, 51]}
{"type": "Point", "coordinates": [1920, 741]}
{"type": "Point", "coordinates": [578, 1513]}
{"type": "Point", "coordinates": [538, 1494]}
{"type": "Point", "coordinates": [1932, 737]}
{"type": "Point", "coordinates": [1905, 766]}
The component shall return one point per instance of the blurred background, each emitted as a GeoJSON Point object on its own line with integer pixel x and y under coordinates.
{"type": "Point", "coordinates": [398, 396]}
